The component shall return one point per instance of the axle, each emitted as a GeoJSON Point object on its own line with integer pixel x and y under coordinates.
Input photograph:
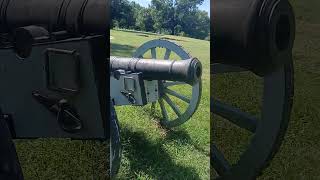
{"type": "Point", "coordinates": [188, 71]}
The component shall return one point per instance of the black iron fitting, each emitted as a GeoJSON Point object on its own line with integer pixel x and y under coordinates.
{"type": "Point", "coordinates": [66, 115]}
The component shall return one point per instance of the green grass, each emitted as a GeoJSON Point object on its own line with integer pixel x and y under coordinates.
{"type": "Point", "coordinates": [47, 159]}
{"type": "Point", "coordinates": [299, 155]}
{"type": "Point", "coordinates": [149, 151]}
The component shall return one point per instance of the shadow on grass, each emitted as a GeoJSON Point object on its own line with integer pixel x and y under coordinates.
{"type": "Point", "coordinates": [121, 50]}
{"type": "Point", "coordinates": [152, 159]}
{"type": "Point", "coordinates": [183, 137]}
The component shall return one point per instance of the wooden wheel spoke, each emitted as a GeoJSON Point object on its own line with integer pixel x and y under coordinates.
{"type": "Point", "coordinates": [218, 161]}
{"type": "Point", "coordinates": [177, 95]}
{"type": "Point", "coordinates": [167, 54]}
{"type": "Point", "coordinates": [163, 109]}
{"type": "Point", "coordinates": [172, 105]}
{"type": "Point", "coordinates": [153, 53]}
{"type": "Point", "coordinates": [234, 115]}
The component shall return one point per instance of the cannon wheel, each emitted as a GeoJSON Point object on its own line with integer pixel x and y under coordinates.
{"type": "Point", "coordinates": [268, 130]}
{"type": "Point", "coordinates": [164, 90]}
{"type": "Point", "coordinates": [115, 148]}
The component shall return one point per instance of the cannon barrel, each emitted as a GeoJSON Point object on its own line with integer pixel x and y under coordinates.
{"type": "Point", "coordinates": [188, 71]}
{"type": "Point", "coordinates": [254, 34]}
{"type": "Point", "coordinates": [75, 16]}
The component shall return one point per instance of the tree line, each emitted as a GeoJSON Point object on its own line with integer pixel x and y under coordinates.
{"type": "Point", "coordinates": [175, 17]}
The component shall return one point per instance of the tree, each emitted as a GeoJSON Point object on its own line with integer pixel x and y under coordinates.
{"type": "Point", "coordinates": [162, 12]}
{"type": "Point", "coordinates": [144, 21]}
{"type": "Point", "coordinates": [176, 17]}
{"type": "Point", "coordinates": [122, 12]}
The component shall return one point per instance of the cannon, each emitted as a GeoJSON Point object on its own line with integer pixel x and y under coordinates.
{"type": "Point", "coordinates": [154, 75]}
{"type": "Point", "coordinates": [54, 76]}
{"type": "Point", "coordinates": [254, 36]}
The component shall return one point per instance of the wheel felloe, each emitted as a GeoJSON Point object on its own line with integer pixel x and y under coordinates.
{"type": "Point", "coordinates": [267, 131]}
{"type": "Point", "coordinates": [115, 147]}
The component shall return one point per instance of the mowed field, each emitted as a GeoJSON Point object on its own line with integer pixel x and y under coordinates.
{"type": "Point", "coordinates": [299, 154]}
{"type": "Point", "coordinates": [150, 151]}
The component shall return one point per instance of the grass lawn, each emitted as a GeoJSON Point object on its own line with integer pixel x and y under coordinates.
{"type": "Point", "coordinates": [299, 155]}
{"type": "Point", "coordinates": [149, 151]}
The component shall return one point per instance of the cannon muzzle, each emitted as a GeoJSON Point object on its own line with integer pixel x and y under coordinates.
{"type": "Point", "coordinates": [255, 34]}
{"type": "Point", "coordinates": [188, 71]}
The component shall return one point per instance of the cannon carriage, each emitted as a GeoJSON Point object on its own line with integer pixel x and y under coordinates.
{"type": "Point", "coordinates": [54, 73]}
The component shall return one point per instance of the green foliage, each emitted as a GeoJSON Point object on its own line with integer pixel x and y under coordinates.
{"type": "Point", "coordinates": [174, 17]}
{"type": "Point", "coordinates": [123, 12]}
{"type": "Point", "coordinates": [144, 21]}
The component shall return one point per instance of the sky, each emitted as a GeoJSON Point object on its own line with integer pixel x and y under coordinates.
{"type": "Point", "coordinates": [205, 5]}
